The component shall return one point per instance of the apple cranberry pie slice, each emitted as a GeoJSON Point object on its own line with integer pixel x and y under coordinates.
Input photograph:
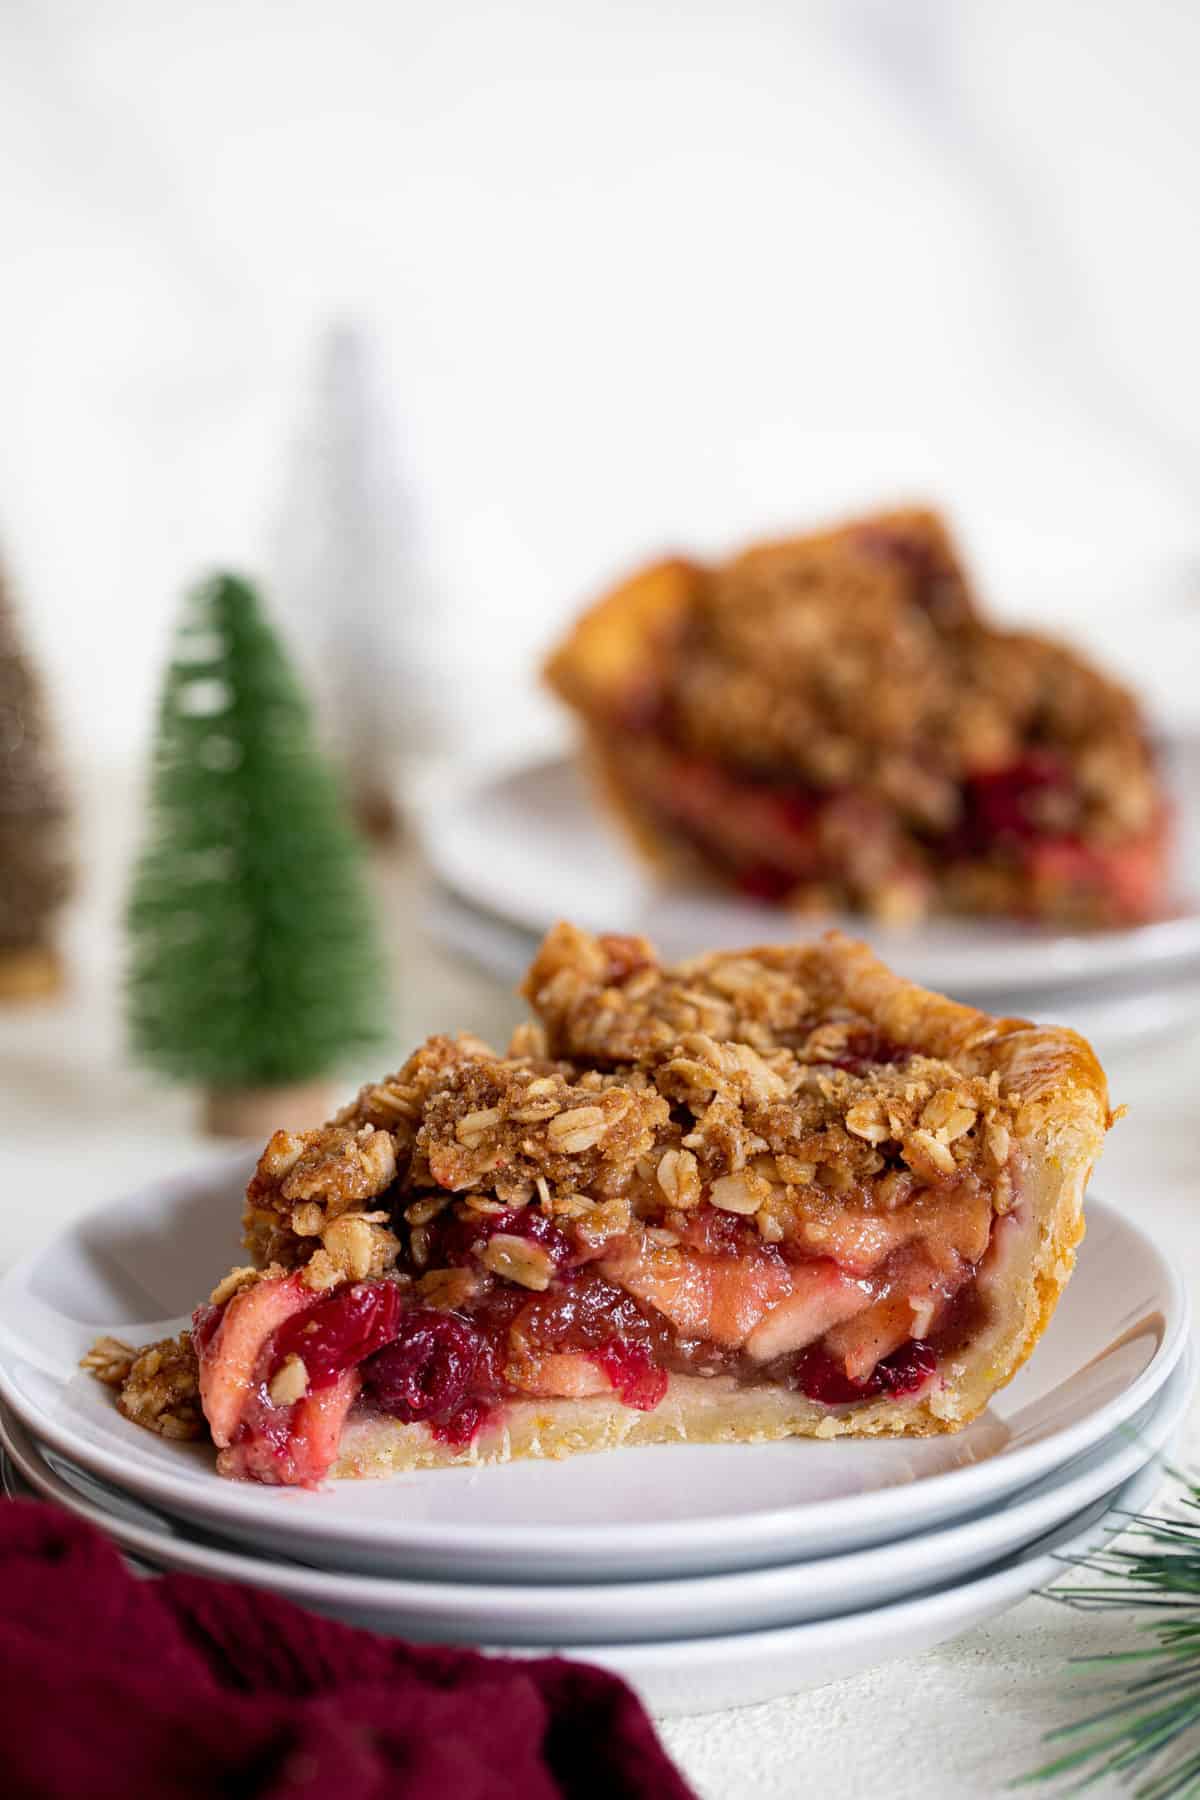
{"type": "Point", "coordinates": [775, 1193]}
{"type": "Point", "coordinates": [829, 721]}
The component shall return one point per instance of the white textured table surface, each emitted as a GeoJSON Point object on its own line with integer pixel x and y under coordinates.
{"type": "Point", "coordinates": [78, 1125]}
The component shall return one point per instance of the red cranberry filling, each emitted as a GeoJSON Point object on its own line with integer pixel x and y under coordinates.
{"type": "Point", "coordinates": [427, 1368]}
{"type": "Point", "coordinates": [607, 1324]}
{"type": "Point", "coordinates": [205, 1320]}
{"type": "Point", "coordinates": [586, 1315]}
{"type": "Point", "coordinates": [455, 1242]}
{"type": "Point", "coordinates": [636, 1378]}
{"type": "Point", "coordinates": [816, 1375]}
{"type": "Point", "coordinates": [867, 1046]}
{"type": "Point", "coordinates": [764, 833]}
{"type": "Point", "coordinates": [339, 1333]}
{"type": "Point", "coordinates": [460, 1426]}
{"type": "Point", "coordinates": [1005, 806]}
{"type": "Point", "coordinates": [763, 881]}
{"type": "Point", "coordinates": [450, 1370]}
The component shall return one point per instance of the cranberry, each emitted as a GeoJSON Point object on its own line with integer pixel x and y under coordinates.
{"type": "Point", "coordinates": [336, 1334]}
{"type": "Point", "coordinates": [798, 808]}
{"type": "Point", "coordinates": [819, 1377]}
{"type": "Point", "coordinates": [609, 1326]}
{"type": "Point", "coordinates": [1001, 806]}
{"type": "Point", "coordinates": [492, 1317]}
{"type": "Point", "coordinates": [460, 1426]}
{"type": "Point", "coordinates": [868, 1046]}
{"type": "Point", "coordinates": [428, 1367]}
{"type": "Point", "coordinates": [457, 1242]}
{"type": "Point", "coordinates": [205, 1321]}
{"type": "Point", "coordinates": [636, 1377]}
{"type": "Point", "coordinates": [763, 881]}
{"type": "Point", "coordinates": [816, 1374]}
{"type": "Point", "coordinates": [906, 1370]}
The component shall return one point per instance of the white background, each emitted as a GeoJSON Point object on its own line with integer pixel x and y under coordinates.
{"type": "Point", "coordinates": [635, 276]}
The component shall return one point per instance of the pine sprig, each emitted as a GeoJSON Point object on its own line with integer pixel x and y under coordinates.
{"type": "Point", "coordinates": [1147, 1732]}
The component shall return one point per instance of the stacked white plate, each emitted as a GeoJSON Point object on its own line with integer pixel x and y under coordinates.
{"type": "Point", "coordinates": [708, 1577]}
{"type": "Point", "coordinates": [515, 851]}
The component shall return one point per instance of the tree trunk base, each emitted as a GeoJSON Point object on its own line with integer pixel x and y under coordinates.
{"type": "Point", "coordinates": [377, 814]}
{"type": "Point", "coordinates": [29, 974]}
{"type": "Point", "coordinates": [257, 1112]}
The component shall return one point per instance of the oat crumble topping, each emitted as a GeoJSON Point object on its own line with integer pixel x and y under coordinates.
{"type": "Point", "coordinates": [740, 1079]}
{"type": "Point", "coordinates": [160, 1389]}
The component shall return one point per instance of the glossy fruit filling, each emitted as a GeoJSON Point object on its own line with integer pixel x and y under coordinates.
{"type": "Point", "coordinates": [281, 1368]}
{"type": "Point", "coordinates": [768, 835]}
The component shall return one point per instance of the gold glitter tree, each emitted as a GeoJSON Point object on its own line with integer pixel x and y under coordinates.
{"type": "Point", "coordinates": [34, 865]}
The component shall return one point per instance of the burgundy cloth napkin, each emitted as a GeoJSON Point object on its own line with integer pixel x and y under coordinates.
{"type": "Point", "coordinates": [182, 1687]}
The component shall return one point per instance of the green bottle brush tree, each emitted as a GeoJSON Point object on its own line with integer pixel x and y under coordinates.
{"type": "Point", "coordinates": [255, 968]}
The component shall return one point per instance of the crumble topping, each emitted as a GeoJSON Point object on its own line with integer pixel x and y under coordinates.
{"type": "Point", "coordinates": [305, 1184]}
{"type": "Point", "coordinates": [160, 1385]}
{"type": "Point", "coordinates": [740, 1080]}
{"type": "Point", "coordinates": [109, 1360]}
{"type": "Point", "coordinates": [827, 659]}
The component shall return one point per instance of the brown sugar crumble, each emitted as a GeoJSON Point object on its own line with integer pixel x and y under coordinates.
{"type": "Point", "coordinates": [640, 1089]}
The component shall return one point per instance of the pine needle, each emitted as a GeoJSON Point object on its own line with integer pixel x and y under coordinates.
{"type": "Point", "coordinates": [1145, 1731]}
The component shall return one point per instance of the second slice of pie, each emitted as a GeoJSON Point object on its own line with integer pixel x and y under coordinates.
{"type": "Point", "coordinates": [831, 722]}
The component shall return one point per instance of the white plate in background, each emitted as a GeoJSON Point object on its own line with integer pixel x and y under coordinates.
{"type": "Point", "coordinates": [1116, 1019]}
{"type": "Point", "coordinates": [623, 1612]}
{"type": "Point", "coordinates": [533, 845]}
{"type": "Point", "coordinates": [136, 1267]}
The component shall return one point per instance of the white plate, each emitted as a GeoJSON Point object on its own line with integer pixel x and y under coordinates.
{"type": "Point", "coordinates": [709, 1674]}
{"type": "Point", "coordinates": [532, 846]}
{"type": "Point", "coordinates": [624, 1612]}
{"type": "Point", "coordinates": [135, 1267]}
{"type": "Point", "coordinates": [1115, 1018]}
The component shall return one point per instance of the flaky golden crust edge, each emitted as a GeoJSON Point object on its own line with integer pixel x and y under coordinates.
{"type": "Point", "coordinates": [664, 854]}
{"type": "Point", "coordinates": [1063, 1114]}
{"type": "Point", "coordinates": [613, 642]}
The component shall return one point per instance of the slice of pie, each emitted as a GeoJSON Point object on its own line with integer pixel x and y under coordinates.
{"type": "Point", "coordinates": [775, 1193]}
{"type": "Point", "coordinates": [830, 722]}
